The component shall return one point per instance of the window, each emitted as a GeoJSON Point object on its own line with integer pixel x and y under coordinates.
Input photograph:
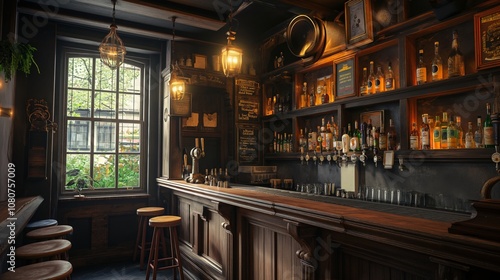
{"type": "Point", "coordinates": [104, 111]}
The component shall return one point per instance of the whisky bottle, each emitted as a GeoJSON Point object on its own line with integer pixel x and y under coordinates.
{"type": "Point", "coordinates": [469, 137]}
{"type": "Point", "coordinates": [478, 134]}
{"type": "Point", "coordinates": [391, 136]}
{"type": "Point", "coordinates": [389, 78]}
{"type": "Point", "coordinates": [437, 64]}
{"type": "Point", "coordinates": [421, 69]}
{"type": "Point", "coordinates": [370, 135]}
{"type": "Point", "coordinates": [329, 137]}
{"type": "Point", "coordinates": [371, 80]}
{"type": "Point", "coordinates": [325, 98]}
{"type": "Point", "coordinates": [382, 139]}
{"type": "Point", "coordinates": [357, 135]}
{"type": "Point", "coordinates": [436, 134]}
{"type": "Point", "coordinates": [452, 135]}
{"type": "Point", "coordinates": [444, 131]}
{"type": "Point", "coordinates": [379, 80]}
{"type": "Point", "coordinates": [303, 96]}
{"type": "Point", "coordinates": [345, 141]}
{"type": "Point", "coordinates": [319, 144]}
{"type": "Point", "coordinates": [363, 89]}
{"type": "Point", "coordinates": [458, 122]}
{"type": "Point", "coordinates": [425, 141]}
{"type": "Point", "coordinates": [414, 137]}
{"type": "Point", "coordinates": [456, 59]}
{"type": "Point", "coordinates": [302, 141]}
{"type": "Point", "coordinates": [489, 138]}
{"type": "Point", "coordinates": [323, 134]}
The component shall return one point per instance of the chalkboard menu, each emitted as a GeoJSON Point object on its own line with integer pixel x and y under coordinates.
{"type": "Point", "coordinates": [345, 78]}
{"type": "Point", "coordinates": [248, 148]}
{"type": "Point", "coordinates": [181, 107]}
{"type": "Point", "coordinates": [247, 87]}
{"type": "Point", "coordinates": [248, 109]}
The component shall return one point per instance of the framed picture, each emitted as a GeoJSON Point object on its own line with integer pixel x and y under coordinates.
{"type": "Point", "coordinates": [359, 26]}
{"type": "Point", "coordinates": [377, 117]}
{"type": "Point", "coordinates": [200, 61]}
{"type": "Point", "coordinates": [487, 38]}
{"type": "Point", "coordinates": [344, 78]}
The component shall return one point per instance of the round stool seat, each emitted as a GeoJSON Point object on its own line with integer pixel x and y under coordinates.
{"type": "Point", "coordinates": [165, 221]}
{"type": "Point", "coordinates": [41, 224]}
{"type": "Point", "coordinates": [150, 211]}
{"type": "Point", "coordinates": [50, 232]}
{"type": "Point", "coordinates": [49, 270]}
{"type": "Point", "coordinates": [43, 249]}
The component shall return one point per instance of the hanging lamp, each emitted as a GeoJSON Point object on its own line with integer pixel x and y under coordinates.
{"type": "Point", "coordinates": [231, 55]}
{"type": "Point", "coordinates": [177, 85]}
{"type": "Point", "coordinates": [111, 48]}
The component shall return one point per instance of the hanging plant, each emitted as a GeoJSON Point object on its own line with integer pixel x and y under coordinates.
{"type": "Point", "coordinates": [16, 56]}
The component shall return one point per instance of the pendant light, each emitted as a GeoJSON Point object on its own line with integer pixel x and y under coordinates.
{"type": "Point", "coordinates": [111, 48]}
{"type": "Point", "coordinates": [231, 56]}
{"type": "Point", "coordinates": [177, 85]}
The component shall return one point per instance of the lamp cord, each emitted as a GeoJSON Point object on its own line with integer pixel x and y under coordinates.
{"type": "Point", "coordinates": [114, 4]}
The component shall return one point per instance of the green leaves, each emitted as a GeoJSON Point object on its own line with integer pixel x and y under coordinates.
{"type": "Point", "coordinates": [16, 56]}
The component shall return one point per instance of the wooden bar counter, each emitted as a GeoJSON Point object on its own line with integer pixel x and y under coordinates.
{"type": "Point", "coordinates": [247, 232]}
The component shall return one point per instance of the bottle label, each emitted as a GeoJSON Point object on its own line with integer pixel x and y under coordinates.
{"type": "Point", "coordinates": [377, 83]}
{"type": "Point", "coordinates": [435, 69]}
{"type": "Point", "coordinates": [421, 75]}
{"type": "Point", "coordinates": [425, 138]}
{"type": "Point", "coordinates": [437, 135]}
{"type": "Point", "coordinates": [478, 139]}
{"type": "Point", "coordinates": [389, 83]}
{"type": "Point", "coordinates": [382, 142]}
{"type": "Point", "coordinates": [370, 85]}
{"type": "Point", "coordinates": [488, 136]}
{"type": "Point", "coordinates": [468, 141]}
{"type": "Point", "coordinates": [414, 142]}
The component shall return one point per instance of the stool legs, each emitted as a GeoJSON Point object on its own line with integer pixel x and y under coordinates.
{"type": "Point", "coordinates": [140, 242]}
{"type": "Point", "coordinates": [159, 237]}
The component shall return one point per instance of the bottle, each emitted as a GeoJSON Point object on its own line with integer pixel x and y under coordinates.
{"type": "Point", "coordinates": [350, 132]}
{"type": "Point", "coordinates": [389, 78]}
{"type": "Point", "coordinates": [489, 138]}
{"type": "Point", "coordinates": [458, 123]}
{"type": "Point", "coordinates": [391, 136]}
{"type": "Point", "coordinates": [421, 69]}
{"type": "Point", "coordinates": [303, 96]}
{"type": "Point", "coordinates": [425, 141]}
{"type": "Point", "coordinates": [312, 99]}
{"type": "Point", "coordinates": [379, 80]}
{"type": "Point", "coordinates": [444, 131]}
{"type": "Point", "coordinates": [456, 59]}
{"type": "Point", "coordinates": [452, 135]}
{"type": "Point", "coordinates": [290, 143]}
{"type": "Point", "coordinates": [437, 64]}
{"type": "Point", "coordinates": [319, 144]}
{"type": "Point", "coordinates": [357, 136]}
{"type": "Point", "coordinates": [478, 134]}
{"type": "Point", "coordinates": [469, 137]}
{"type": "Point", "coordinates": [302, 141]}
{"type": "Point", "coordinates": [375, 135]}
{"type": "Point", "coordinates": [345, 141]}
{"type": "Point", "coordinates": [323, 134]}
{"type": "Point", "coordinates": [414, 137]}
{"type": "Point", "coordinates": [363, 140]}
{"type": "Point", "coordinates": [370, 138]}
{"type": "Point", "coordinates": [335, 130]}
{"type": "Point", "coordinates": [382, 139]}
{"type": "Point", "coordinates": [436, 134]}
{"type": "Point", "coordinates": [329, 137]}
{"type": "Point", "coordinates": [430, 122]}
{"type": "Point", "coordinates": [325, 98]}
{"type": "Point", "coordinates": [371, 80]}
{"type": "Point", "coordinates": [363, 89]}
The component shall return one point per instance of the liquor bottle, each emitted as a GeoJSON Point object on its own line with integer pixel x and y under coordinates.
{"type": "Point", "coordinates": [444, 131]}
{"type": "Point", "coordinates": [390, 82]}
{"type": "Point", "coordinates": [436, 134]}
{"type": "Point", "coordinates": [345, 141]}
{"type": "Point", "coordinates": [379, 80]}
{"type": "Point", "coordinates": [323, 134]}
{"type": "Point", "coordinates": [363, 89]}
{"type": "Point", "coordinates": [363, 140]}
{"type": "Point", "coordinates": [335, 130]}
{"type": "Point", "coordinates": [369, 135]}
{"type": "Point", "coordinates": [371, 80]}
{"type": "Point", "coordinates": [319, 145]}
{"type": "Point", "coordinates": [355, 138]}
{"type": "Point", "coordinates": [456, 59]}
{"type": "Point", "coordinates": [452, 135]}
{"type": "Point", "coordinates": [290, 143]}
{"type": "Point", "coordinates": [425, 141]}
{"type": "Point", "coordinates": [350, 132]}
{"type": "Point", "coordinates": [391, 136]}
{"type": "Point", "coordinates": [304, 97]}
{"type": "Point", "coordinates": [489, 138]}
{"type": "Point", "coordinates": [382, 139]}
{"type": "Point", "coordinates": [414, 137]}
{"type": "Point", "coordinates": [437, 64]}
{"type": "Point", "coordinates": [325, 98]}
{"type": "Point", "coordinates": [458, 122]}
{"type": "Point", "coordinates": [478, 134]}
{"type": "Point", "coordinates": [421, 69]}
{"type": "Point", "coordinates": [302, 141]}
{"type": "Point", "coordinates": [329, 137]}
{"type": "Point", "coordinates": [312, 99]}
{"type": "Point", "coordinates": [430, 122]}
{"type": "Point", "coordinates": [275, 143]}
{"type": "Point", "coordinates": [284, 143]}
{"type": "Point", "coordinates": [375, 135]}
{"type": "Point", "coordinates": [469, 137]}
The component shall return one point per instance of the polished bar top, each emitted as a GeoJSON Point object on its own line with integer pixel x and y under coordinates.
{"type": "Point", "coordinates": [420, 234]}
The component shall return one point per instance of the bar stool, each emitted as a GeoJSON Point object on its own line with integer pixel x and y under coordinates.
{"type": "Point", "coordinates": [49, 249]}
{"type": "Point", "coordinates": [41, 224]}
{"type": "Point", "coordinates": [144, 214]}
{"type": "Point", "coordinates": [53, 232]}
{"type": "Point", "coordinates": [158, 224]}
{"type": "Point", "coordinates": [49, 270]}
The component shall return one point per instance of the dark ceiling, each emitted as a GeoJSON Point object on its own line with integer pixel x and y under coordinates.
{"type": "Point", "coordinates": [204, 20]}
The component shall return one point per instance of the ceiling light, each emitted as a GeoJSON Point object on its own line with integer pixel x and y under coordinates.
{"type": "Point", "coordinates": [231, 56]}
{"type": "Point", "coordinates": [111, 48]}
{"type": "Point", "coordinates": [177, 85]}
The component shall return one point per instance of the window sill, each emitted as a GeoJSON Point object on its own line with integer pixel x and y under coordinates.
{"type": "Point", "coordinates": [97, 197]}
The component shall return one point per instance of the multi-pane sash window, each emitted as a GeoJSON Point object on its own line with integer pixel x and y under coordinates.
{"type": "Point", "coordinates": [104, 122]}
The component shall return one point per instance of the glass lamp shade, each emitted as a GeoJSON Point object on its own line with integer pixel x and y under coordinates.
{"type": "Point", "coordinates": [231, 60]}
{"type": "Point", "coordinates": [177, 88]}
{"type": "Point", "coordinates": [112, 49]}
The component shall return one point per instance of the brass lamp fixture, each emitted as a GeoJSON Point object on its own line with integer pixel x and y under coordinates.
{"type": "Point", "coordinates": [111, 48]}
{"type": "Point", "coordinates": [177, 85]}
{"type": "Point", "coordinates": [232, 56]}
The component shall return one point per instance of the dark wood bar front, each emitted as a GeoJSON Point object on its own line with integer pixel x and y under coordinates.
{"type": "Point", "coordinates": [244, 233]}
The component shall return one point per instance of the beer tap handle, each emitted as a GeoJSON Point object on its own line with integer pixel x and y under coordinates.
{"type": "Point", "coordinates": [202, 147]}
{"type": "Point", "coordinates": [196, 142]}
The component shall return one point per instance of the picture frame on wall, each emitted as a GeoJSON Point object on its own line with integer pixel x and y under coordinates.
{"type": "Point", "coordinates": [377, 117]}
{"type": "Point", "coordinates": [359, 25]}
{"type": "Point", "coordinates": [345, 78]}
{"type": "Point", "coordinates": [487, 38]}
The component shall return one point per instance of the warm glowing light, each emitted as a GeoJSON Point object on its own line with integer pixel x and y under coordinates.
{"type": "Point", "coordinates": [112, 49]}
{"type": "Point", "coordinates": [177, 88]}
{"type": "Point", "coordinates": [231, 60]}
{"type": "Point", "coordinates": [6, 112]}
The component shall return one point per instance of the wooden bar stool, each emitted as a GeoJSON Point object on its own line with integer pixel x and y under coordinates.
{"type": "Point", "coordinates": [49, 249]}
{"type": "Point", "coordinates": [53, 232]}
{"type": "Point", "coordinates": [41, 224]}
{"type": "Point", "coordinates": [49, 270]}
{"type": "Point", "coordinates": [144, 214]}
{"type": "Point", "coordinates": [158, 224]}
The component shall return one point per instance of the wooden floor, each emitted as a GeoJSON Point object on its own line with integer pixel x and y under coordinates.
{"type": "Point", "coordinates": [116, 271]}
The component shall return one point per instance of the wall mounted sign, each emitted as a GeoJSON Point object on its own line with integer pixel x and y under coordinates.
{"type": "Point", "coordinates": [359, 26]}
{"type": "Point", "coordinates": [344, 79]}
{"type": "Point", "coordinates": [247, 144]}
{"type": "Point", "coordinates": [487, 38]}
